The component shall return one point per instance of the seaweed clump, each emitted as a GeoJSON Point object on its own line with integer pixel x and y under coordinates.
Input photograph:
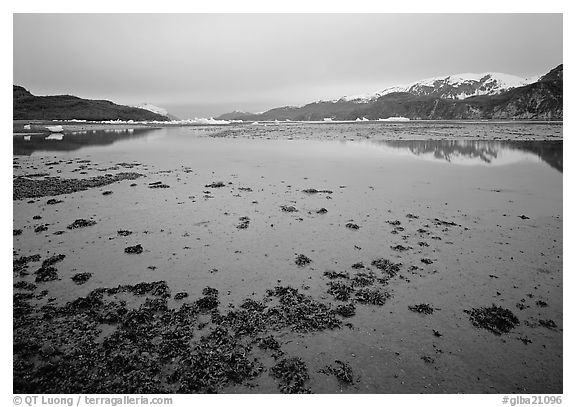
{"type": "Point", "coordinates": [421, 308]}
{"type": "Point", "coordinates": [346, 310]}
{"type": "Point", "coordinates": [210, 299]}
{"type": "Point", "coordinates": [218, 360]}
{"type": "Point", "coordinates": [339, 290]}
{"type": "Point", "coordinates": [218, 184]}
{"type": "Point", "coordinates": [548, 323]}
{"type": "Point", "coordinates": [180, 295]}
{"type": "Point", "coordinates": [24, 285]}
{"type": "Point", "coordinates": [24, 187]}
{"type": "Point", "coordinates": [495, 319]}
{"type": "Point", "coordinates": [370, 296]}
{"type": "Point", "coordinates": [331, 274]}
{"type": "Point", "coordinates": [270, 343]}
{"type": "Point", "coordinates": [317, 191]}
{"type": "Point", "coordinates": [80, 223]}
{"type": "Point", "coordinates": [286, 208]}
{"type": "Point", "coordinates": [389, 268]}
{"type": "Point", "coordinates": [302, 260]}
{"type": "Point", "coordinates": [81, 278]}
{"type": "Point", "coordinates": [300, 312]}
{"type": "Point", "coordinates": [134, 249]}
{"type": "Point", "coordinates": [20, 265]}
{"type": "Point", "coordinates": [47, 272]}
{"type": "Point", "coordinates": [363, 279]}
{"type": "Point", "coordinates": [244, 222]}
{"type": "Point", "coordinates": [341, 370]}
{"type": "Point", "coordinates": [293, 374]}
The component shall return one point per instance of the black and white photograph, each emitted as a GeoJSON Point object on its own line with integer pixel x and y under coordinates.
{"type": "Point", "coordinates": [287, 203]}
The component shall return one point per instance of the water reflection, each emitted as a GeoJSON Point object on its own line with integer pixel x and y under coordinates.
{"type": "Point", "coordinates": [28, 144]}
{"type": "Point", "coordinates": [465, 152]}
{"type": "Point", "coordinates": [488, 152]}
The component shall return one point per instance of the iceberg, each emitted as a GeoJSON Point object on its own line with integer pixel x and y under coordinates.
{"type": "Point", "coordinates": [395, 119]}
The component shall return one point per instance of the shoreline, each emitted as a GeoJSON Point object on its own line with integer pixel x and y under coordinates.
{"type": "Point", "coordinates": [381, 130]}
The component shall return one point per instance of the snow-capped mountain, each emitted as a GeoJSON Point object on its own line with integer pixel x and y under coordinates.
{"type": "Point", "coordinates": [454, 97]}
{"type": "Point", "coordinates": [459, 86]}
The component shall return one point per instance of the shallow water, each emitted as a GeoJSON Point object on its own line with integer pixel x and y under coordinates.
{"type": "Point", "coordinates": [482, 186]}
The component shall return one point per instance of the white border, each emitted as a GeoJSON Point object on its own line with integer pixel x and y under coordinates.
{"type": "Point", "coordinates": [302, 6]}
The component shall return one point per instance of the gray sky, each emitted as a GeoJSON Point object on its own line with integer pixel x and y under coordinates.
{"type": "Point", "coordinates": [203, 65]}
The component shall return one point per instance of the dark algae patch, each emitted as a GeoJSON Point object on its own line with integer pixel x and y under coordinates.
{"type": "Point", "coordinates": [47, 272]}
{"type": "Point", "coordinates": [20, 265]}
{"type": "Point", "coordinates": [209, 301]}
{"type": "Point", "coordinates": [346, 310]}
{"type": "Point", "coordinates": [292, 374]}
{"type": "Point", "coordinates": [495, 319]}
{"type": "Point", "coordinates": [331, 274]}
{"type": "Point", "coordinates": [312, 191]}
{"type": "Point", "coordinates": [24, 285]}
{"type": "Point", "coordinates": [158, 185]}
{"type": "Point", "coordinates": [40, 228]}
{"type": "Point", "coordinates": [363, 279]}
{"type": "Point", "coordinates": [300, 312]}
{"type": "Point", "coordinates": [244, 222]}
{"type": "Point", "coordinates": [302, 260]}
{"type": "Point", "coordinates": [218, 360]}
{"type": "Point", "coordinates": [80, 223]}
{"type": "Point", "coordinates": [270, 343]}
{"type": "Point", "coordinates": [341, 370]}
{"type": "Point", "coordinates": [137, 249]}
{"type": "Point", "coordinates": [371, 296]}
{"type": "Point", "coordinates": [339, 290]}
{"type": "Point", "coordinates": [399, 248]}
{"type": "Point", "coordinates": [388, 268]}
{"type": "Point", "coordinates": [421, 309]}
{"type": "Point", "coordinates": [24, 187]}
{"type": "Point", "coordinates": [180, 296]}
{"type": "Point", "coordinates": [53, 201]}
{"type": "Point", "coordinates": [81, 278]}
{"type": "Point", "coordinates": [112, 341]}
{"type": "Point", "coordinates": [286, 208]}
{"type": "Point", "coordinates": [548, 323]}
{"type": "Point", "coordinates": [218, 184]}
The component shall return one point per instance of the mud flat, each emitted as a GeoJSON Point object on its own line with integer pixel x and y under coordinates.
{"type": "Point", "coordinates": [309, 263]}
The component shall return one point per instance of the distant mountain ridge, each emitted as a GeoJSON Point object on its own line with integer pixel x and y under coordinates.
{"type": "Point", "coordinates": [27, 106]}
{"type": "Point", "coordinates": [452, 97]}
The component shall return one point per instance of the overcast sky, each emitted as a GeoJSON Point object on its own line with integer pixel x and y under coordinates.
{"type": "Point", "coordinates": [205, 65]}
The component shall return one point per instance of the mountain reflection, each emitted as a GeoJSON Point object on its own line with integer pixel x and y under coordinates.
{"type": "Point", "coordinates": [487, 151]}
{"type": "Point", "coordinates": [28, 144]}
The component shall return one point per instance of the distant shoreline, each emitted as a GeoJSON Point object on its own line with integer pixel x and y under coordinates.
{"type": "Point", "coordinates": [39, 126]}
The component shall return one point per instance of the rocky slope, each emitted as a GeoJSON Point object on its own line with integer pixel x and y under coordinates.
{"type": "Point", "coordinates": [26, 106]}
{"type": "Point", "coordinates": [456, 97]}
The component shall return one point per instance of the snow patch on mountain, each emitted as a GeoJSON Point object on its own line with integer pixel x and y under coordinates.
{"type": "Point", "coordinates": [152, 108]}
{"type": "Point", "coordinates": [459, 86]}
